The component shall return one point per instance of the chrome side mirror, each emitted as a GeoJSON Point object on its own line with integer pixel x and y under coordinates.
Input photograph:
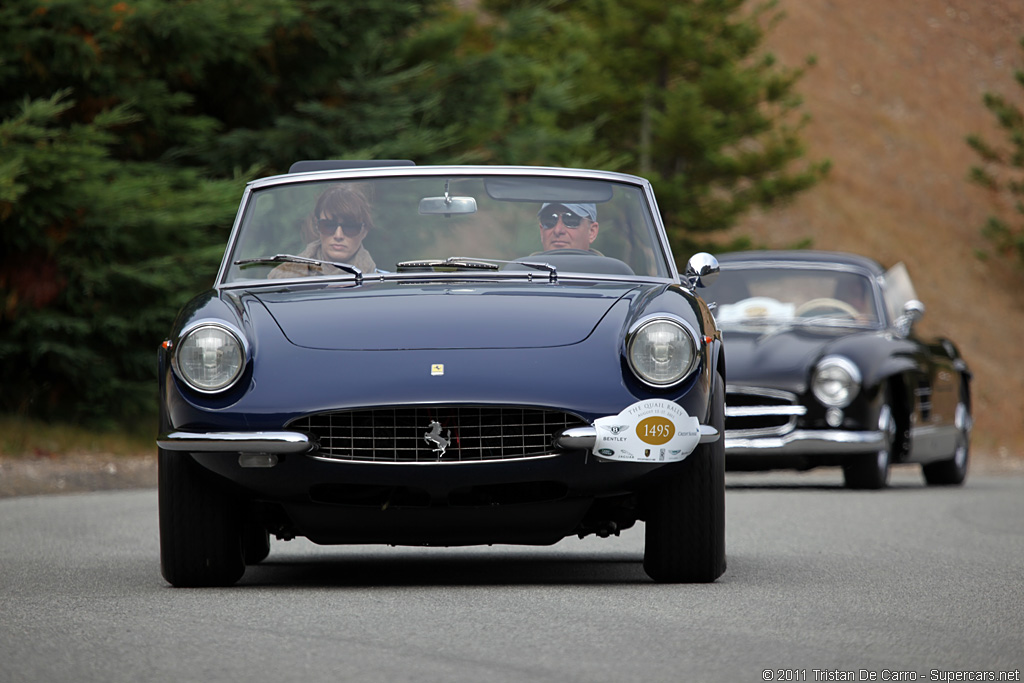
{"type": "Point", "coordinates": [913, 311]}
{"type": "Point", "coordinates": [702, 269]}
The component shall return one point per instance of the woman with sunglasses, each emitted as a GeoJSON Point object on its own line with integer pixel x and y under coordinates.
{"type": "Point", "coordinates": [568, 226]}
{"type": "Point", "coordinates": [340, 222]}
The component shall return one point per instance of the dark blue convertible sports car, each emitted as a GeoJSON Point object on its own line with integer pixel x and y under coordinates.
{"type": "Point", "coordinates": [826, 367]}
{"type": "Point", "coordinates": [443, 356]}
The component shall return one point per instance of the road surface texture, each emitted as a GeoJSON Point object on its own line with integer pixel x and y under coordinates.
{"type": "Point", "coordinates": [910, 583]}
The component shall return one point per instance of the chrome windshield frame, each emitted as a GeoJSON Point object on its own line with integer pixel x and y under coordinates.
{"type": "Point", "coordinates": [666, 259]}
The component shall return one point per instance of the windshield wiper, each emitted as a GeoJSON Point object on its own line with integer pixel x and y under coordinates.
{"type": "Point", "coordinates": [478, 264]}
{"type": "Point", "coordinates": [456, 261]}
{"type": "Point", "coordinates": [539, 265]}
{"type": "Point", "coordinates": [290, 258]}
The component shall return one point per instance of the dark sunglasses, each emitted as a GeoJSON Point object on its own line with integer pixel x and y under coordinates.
{"type": "Point", "coordinates": [328, 226]}
{"type": "Point", "coordinates": [569, 219]}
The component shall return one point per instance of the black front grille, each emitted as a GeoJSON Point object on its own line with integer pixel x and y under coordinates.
{"type": "Point", "coordinates": [417, 434]}
{"type": "Point", "coordinates": [764, 411]}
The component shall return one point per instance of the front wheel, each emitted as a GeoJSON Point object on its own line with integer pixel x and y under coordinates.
{"type": "Point", "coordinates": [685, 521]}
{"type": "Point", "coordinates": [872, 471]}
{"type": "Point", "coordinates": [200, 525]}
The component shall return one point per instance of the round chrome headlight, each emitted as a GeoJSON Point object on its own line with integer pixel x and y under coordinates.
{"type": "Point", "coordinates": [661, 352]}
{"type": "Point", "coordinates": [836, 381]}
{"type": "Point", "coordinates": [210, 358]}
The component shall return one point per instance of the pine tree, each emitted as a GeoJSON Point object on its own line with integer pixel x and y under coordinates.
{"type": "Point", "coordinates": [1002, 171]}
{"type": "Point", "coordinates": [675, 91]}
{"type": "Point", "coordinates": [365, 79]}
{"type": "Point", "coordinates": [96, 253]}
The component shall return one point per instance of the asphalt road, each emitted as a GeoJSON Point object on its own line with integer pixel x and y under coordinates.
{"type": "Point", "coordinates": [823, 584]}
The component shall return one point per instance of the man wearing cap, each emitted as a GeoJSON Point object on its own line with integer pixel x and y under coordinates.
{"type": "Point", "coordinates": [567, 226]}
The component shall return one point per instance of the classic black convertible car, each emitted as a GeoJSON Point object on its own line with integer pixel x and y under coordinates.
{"type": "Point", "coordinates": [443, 356]}
{"type": "Point", "coordinates": [825, 368]}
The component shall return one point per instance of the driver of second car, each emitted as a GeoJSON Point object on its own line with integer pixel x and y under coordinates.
{"type": "Point", "coordinates": [568, 226]}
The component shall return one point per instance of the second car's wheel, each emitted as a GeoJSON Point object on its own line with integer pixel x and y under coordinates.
{"type": "Point", "coordinates": [872, 471]}
{"type": "Point", "coordinates": [952, 472]}
{"type": "Point", "coordinates": [200, 525]}
{"type": "Point", "coordinates": [685, 513]}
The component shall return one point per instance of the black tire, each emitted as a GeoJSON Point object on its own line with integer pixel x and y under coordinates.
{"type": "Point", "coordinates": [200, 525]}
{"type": "Point", "coordinates": [255, 544]}
{"type": "Point", "coordinates": [953, 472]}
{"type": "Point", "coordinates": [685, 513]}
{"type": "Point", "coordinates": [872, 471]}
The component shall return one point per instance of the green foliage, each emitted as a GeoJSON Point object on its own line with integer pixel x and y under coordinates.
{"type": "Point", "coordinates": [1002, 173]}
{"type": "Point", "coordinates": [127, 130]}
{"type": "Point", "coordinates": [363, 80]}
{"type": "Point", "coordinates": [94, 263]}
{"type": "Point", "coordinates": [673, 91]}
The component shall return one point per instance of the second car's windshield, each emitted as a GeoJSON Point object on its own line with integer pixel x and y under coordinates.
{"type": "Point", "coordinates": [410, 223]}
{"type": "Point", "coordinates": [793, 294]}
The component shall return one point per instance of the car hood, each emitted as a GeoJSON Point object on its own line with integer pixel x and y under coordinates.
{"type": "Point", "coordinates": [392, 316]}
{"type": "Point", "coordinates": [782, 357]}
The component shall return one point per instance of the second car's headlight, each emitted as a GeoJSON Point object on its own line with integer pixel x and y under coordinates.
{"type": "Point", "coordinates": [661, 352]}
{"type": "Point", "coordinates": [836, 381]}
{"type": "Point", "coordinates": [210, 358]}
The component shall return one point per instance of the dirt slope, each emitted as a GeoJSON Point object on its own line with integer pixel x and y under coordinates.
{"type": "Point", "coordinates": [896, 88]}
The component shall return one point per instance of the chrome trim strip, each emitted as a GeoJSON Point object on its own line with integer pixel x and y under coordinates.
{"type": "Point", "coordinates": [807, 441]}
{"type": "Point", "coordinates": [236, 442]}
{"type": "Point", "coordinates": [449, 170]}
{"type": "Point", "coordinates": [760, 391]}
{"type": "Point", "coordinates": [758, 411]}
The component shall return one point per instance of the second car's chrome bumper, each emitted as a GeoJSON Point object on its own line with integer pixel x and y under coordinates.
{"type": "Point", "coordinates": [805, 442]}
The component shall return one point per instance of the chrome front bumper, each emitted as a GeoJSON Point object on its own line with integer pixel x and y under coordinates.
{"type": "Point", "coordinates": [236, 442]}
{"type": "Point", "coordinates": [297, 442]}
{"type": "Point", "coordinates": [806, 442]}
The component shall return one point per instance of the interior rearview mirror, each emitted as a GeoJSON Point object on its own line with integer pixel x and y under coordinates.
{"type": "Point", "coordinates": [447, 206]}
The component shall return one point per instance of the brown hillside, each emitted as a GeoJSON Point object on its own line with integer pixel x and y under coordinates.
{"type": "Point", "coordinates": [896, 89]}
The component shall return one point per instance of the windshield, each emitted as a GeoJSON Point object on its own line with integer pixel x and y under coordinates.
{"type": "Point", "coordinates": [793, 294]}
{"type": "Point", "coordinates": [460, 223]}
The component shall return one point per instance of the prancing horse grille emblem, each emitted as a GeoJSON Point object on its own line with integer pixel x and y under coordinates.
{"type": "Point", "coordinates": [434, 437]}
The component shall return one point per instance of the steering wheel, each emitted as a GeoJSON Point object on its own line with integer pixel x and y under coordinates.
{"type": "Point", "coordinates": [566, 252]}
{"type": "Point", "coordinates": [824, 305]}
